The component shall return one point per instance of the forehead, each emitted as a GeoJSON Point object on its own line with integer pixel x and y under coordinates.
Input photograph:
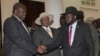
{"type": "Point", "coordinates": [19, 5]}
{"type": "Point", "coordinates": [45, 17]}
{"type": "Point", "coordinates": [69, 14]}
{"type": "Point", "coordinates": [21, 9]}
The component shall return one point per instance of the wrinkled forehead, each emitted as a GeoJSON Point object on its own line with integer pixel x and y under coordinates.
{"type": "Point", "coordinates": [45, 17]}
{"type": "Point", "coordinates": [69, 14]}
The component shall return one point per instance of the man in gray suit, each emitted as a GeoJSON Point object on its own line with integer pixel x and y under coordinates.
{"type": "Point", "coordinates": [45, 35]}
{"type": "Point", "coordinates": [17, 40]}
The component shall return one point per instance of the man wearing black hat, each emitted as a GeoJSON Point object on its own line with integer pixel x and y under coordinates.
{"type": "Point", "coordinates": [75, 37]}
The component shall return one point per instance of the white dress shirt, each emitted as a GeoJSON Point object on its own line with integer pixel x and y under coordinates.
{"type": "Point", "coordinates": [73, 31]}
{"type": "Point", "coordinates": [49, 31]}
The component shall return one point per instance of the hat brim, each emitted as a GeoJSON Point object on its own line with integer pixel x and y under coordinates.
{"type": "Point", "coordinates": [75, 13]}
{"type": "Point", "coordinates": [37, 21]}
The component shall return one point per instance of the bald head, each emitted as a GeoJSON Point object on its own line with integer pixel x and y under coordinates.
{"type": "Point", "coordinates": [18, 5]}
{"type": "Point", "coordinates": [19, 10]}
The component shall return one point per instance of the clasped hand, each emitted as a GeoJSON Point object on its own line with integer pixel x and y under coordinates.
{"type": "Point", "coordinates": [41, 49]}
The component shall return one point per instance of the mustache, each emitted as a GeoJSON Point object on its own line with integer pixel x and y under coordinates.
{"type": "Point", "coordinates": [67, 24]}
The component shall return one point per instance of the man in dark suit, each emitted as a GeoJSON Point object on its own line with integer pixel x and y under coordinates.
{"type": "Point", "coordinates": [46, 34]}
{"type": "Point", "coordinates": [93, 32]}
{"type": "Point", "coordinates": [75, 37]}
{"type": "Point", "coordinates": [17, 40]}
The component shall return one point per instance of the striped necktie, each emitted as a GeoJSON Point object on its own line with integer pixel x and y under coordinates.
{"type": "Point", "coordinates": [49, 32]}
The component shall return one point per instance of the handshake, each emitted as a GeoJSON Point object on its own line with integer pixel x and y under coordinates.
{"type": "Point", "coordinates": [41, 49]}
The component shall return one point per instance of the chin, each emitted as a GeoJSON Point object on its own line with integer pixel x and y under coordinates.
{"type": "Point", "coordinates": [68, 24]}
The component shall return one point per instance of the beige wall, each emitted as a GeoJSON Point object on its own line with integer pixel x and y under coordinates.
{"type": "Point", "coordinates": [6, 8]}
{"type": "Point", "coordinates": [39, 0]}
{"type": "Point", "coordinates": [88, 11]}
{"type": "Point", "coordinates": [71, 3]}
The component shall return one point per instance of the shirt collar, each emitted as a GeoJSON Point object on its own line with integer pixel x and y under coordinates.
{"type": "Point", "coordinates": [17, 18]}
{"type": "Point", "coordinates": [74, 24]}
{"type": "Point", "coordinates": [46, 27]}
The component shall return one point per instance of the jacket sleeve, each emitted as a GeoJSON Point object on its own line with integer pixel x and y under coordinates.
{"type": "Point", "coordinates": [13, 34]}
{"type": "Point", "coordinates": [89, 41]}
{"type": "Point", "coordinates": [56, 44]}
{"type": "Point", "coordinates": [36, 39]}
{"type": "Point", "coordinates": [95, 39]}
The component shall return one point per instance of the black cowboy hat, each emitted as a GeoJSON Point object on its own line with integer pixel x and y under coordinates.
{"type": "Point", "coordinates": [70, 10]}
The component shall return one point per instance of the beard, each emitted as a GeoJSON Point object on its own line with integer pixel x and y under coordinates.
{"type": "Point", "coordinates": [67, 24]}
{"type": "Point", "coordinates": [70, 22]}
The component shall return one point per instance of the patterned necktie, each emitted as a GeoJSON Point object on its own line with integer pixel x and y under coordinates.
{"type": "Point", "coordinates": [49, 32]}
{"type": "Point", "coordinates": [69, 35]}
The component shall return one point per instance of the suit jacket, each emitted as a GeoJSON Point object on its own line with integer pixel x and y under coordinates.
{"type": "Point", "coordinates": [95, 39]}
{"type": "Point", "coordinates": [17, 41]}
{"type": "Point", "coordinates": [41, 37]}
{"type": "Point", "coordinates": [82, 43]}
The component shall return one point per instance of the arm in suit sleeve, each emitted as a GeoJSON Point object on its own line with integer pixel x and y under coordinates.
{"type": "Point", "coordinates": [56, 44]}
{"type": "Point", "coordinates": [89, 41]}
{"type": "Point", "coordinates": [95, 39]}
{"type": "Point", "coordinates": [36, 39]}
{"type": "Point", "coordinates": [13, 33]}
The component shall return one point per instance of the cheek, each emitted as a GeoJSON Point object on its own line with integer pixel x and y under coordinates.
{"type": "Point", "coordinates": [44, 22]}
{"type": "Point", "coordinates": [21, 14]}
{"type": "Point", "coordinates": [68, 19]}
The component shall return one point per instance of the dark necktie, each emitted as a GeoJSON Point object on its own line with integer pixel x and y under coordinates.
{"type": "Point", "coordinates": [69, 35]}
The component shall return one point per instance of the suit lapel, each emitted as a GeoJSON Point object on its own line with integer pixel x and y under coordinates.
{"type": "Point", "coordinates": [53, 33]}
{"type": "Point", "coordinates": [43, 32]}
{"type": "Point", "coordinates": [77, 33]}
{"type": "Point", "coordinates": [66, 33]}
{"type": "Point", "coordinates": [19, 23]}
